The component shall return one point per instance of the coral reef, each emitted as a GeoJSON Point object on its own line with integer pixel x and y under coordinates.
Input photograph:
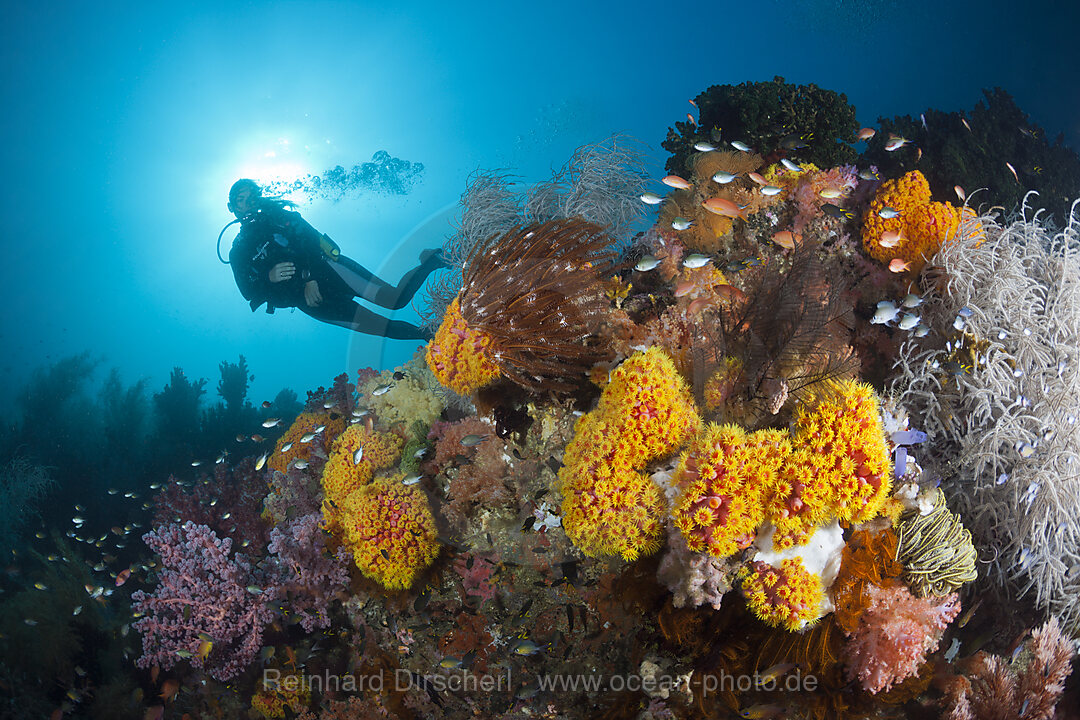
{"type": "Point", "coordinates": [771, 116]}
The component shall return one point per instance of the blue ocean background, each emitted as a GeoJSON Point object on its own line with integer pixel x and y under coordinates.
{"type": "Point", "coordinates": [125, 124]}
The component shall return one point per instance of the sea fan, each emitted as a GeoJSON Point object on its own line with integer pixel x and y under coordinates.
{"type": "Point", "coordinates": [791, 332]}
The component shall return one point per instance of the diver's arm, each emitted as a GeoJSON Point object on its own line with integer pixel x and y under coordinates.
{"type": "Point", "coordinates": [247, 277]}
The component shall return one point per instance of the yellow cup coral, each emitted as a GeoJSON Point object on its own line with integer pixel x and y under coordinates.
{"type": "Point", "coordinates": [721, 479]}
{"type": "Point", "coordinates": [650, 404]}
{"type": "Point", "coordinates": [613, 510]}
{"type": "Point", "coordinates": [390, 531]}
{"type": "Point", "coordinates": [788, 596]}
{"type": "Point", "coordinates": [291, 446]}
{"type": "Point", "coordinates": [460, 356]}
{"type": "Point", "coordinates": [839, 466]}
{"type": "Point", "coordinates": [645, 412]}
{"type": "Point", "coordinates": [922, 225]}
{"type": "Point", "coordinates": [356, 455]}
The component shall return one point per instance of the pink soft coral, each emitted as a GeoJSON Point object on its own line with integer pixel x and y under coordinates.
{"type": "Point", "coordinates": [895, 633]}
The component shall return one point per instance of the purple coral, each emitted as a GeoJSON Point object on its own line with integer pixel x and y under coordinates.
{"type": "Point", "coordinates": [308, 573]}
{"type": "Point", "coordinates": [204, 592]}
{"type": "Point", "coordinates": [694, 579]}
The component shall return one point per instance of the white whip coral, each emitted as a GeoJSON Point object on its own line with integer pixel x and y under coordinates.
{"type": "Point", "coordinates": [996, 384]}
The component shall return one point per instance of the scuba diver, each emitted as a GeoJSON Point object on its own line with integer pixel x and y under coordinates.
{"type": "Point", "coordinates": [281, 260]}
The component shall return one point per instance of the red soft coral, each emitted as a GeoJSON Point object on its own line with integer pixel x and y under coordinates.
{"type": "Point", "coordinates": [895, 634]}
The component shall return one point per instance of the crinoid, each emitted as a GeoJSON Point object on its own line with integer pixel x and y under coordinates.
{"type": "Point", "coordinates": [535, 292]}
{"type": "Point", "coordinates": [935, 549]}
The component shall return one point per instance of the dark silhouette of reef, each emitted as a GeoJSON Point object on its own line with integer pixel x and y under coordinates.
{"type": "Point", "coordinates": [1000, 132]}
{"type": "Point", "coordinates": [805, 121]}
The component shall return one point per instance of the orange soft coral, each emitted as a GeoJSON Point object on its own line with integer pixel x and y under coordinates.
{"type": "Point", "coordinates": [721, 479]}
{"type": "Point", "coordinates": [788, 596]}
{"type": "Point", "coordinates": [923, 226]}
{"type": "Point", "coordinates": [390, 531]}
{"type": "Point", "coordinates": [461, 357]}
{"type": "Point", "coordinates": [292, 446]}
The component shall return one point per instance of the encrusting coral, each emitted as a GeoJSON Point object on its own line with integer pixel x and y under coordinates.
{"type": "Point", "coordinates": [923, 226]}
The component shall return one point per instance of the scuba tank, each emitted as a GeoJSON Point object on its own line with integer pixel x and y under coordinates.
{"type": "Point", "coordinates": [329, 247]}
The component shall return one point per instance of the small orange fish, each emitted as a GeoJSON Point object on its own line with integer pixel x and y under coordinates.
{"type": "Point", "coordinates": [684, 288]}
{"type": "Point", "coordinates": [865, 133]}
{"type": "Point", "coordinates": [960, 193]}
{"type": "Point", "coordinates": [691, 119]}
{"type": "Point", "coordinates": [897, 265]}
{"type": "Point", "coordinates": [169, 688]}
{"type": "Point", "coordinates": [758, 178]}
{"type": "Point", "coordinates": [290, 655]}
{"type": "Point", "coordinates": [966, 124]}
{"type": "Point", "coordinates": [730, 292]}
{"type": "Point", "coordinates": [676, 182]}
{"type": "Point", "coordinates": [693, 103]}
{"type": "Point", "coordinates": [918, 154]}
{"type": "Point", "coordinates": [257, 438]}
{"type": "Point", "coordinates": [890, 239]}
{"type": "Point", "coordinates": [785, 239]}
{"type": "Point", "coordinates": [723, 206]}
{"type": "Point", "coordinates": [123, 576]}
{"type": "Point", "coordinates": [1013, 171]}
{"type": "Point", "coordinates": [154, 673]}
{"type": "Point", "coordinates": [697, 305]}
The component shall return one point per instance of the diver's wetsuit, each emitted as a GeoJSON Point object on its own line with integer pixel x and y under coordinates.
{"type": "Point", "coordinates": [274, 235]}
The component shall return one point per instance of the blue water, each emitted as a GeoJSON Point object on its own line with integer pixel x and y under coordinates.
{"type": "Point", "coordinates": [125, 124]}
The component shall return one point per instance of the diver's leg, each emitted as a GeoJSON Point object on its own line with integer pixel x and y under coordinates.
{"type": "Point", "coordinates": [353, 316]}
{"type": "Point", "coordinates": [370, 288]}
